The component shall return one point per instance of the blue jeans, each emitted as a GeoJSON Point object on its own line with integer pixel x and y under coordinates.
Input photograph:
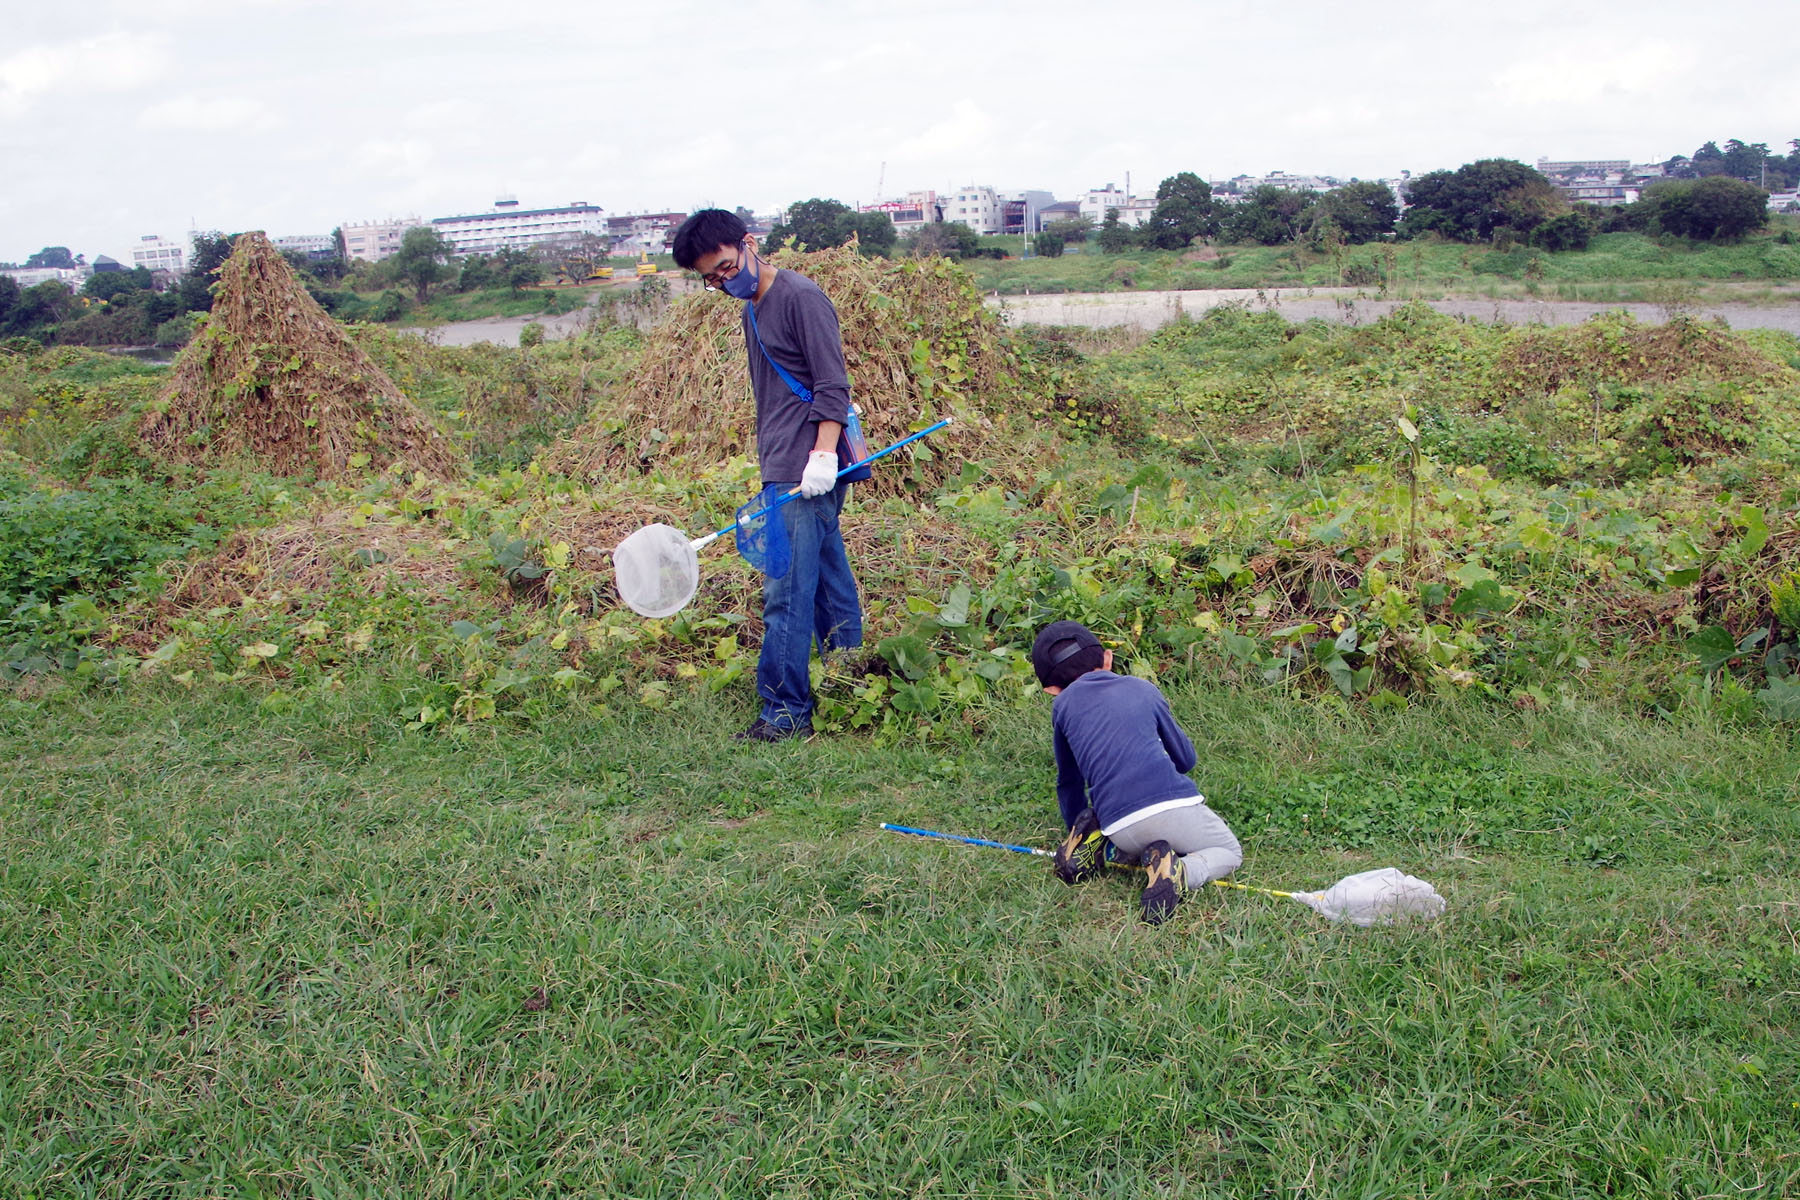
{"type": "Point", "coordinates": [815, 601]}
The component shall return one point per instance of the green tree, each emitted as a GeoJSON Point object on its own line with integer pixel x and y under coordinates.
{"type": "Point", "coordinates": [952, 239]}
{"type": "Point", "coordinates": [1048, 245]}
{"type": "Point", "coordinates": [422, 260]}
{"type": "Point", "coordinates": [1115, 237]}
{"type": "Point", "coordinates": [1269, 216]}
{"type": "Point", "coordinates": [812, 225]}
{"type": "Point", "coordinates": [1076, 229]}
{"type": "Point", "coordinates": [51, 258]}
{"type": "Point", "coordinates": [475, 272]}
{"type": "Point", "coordinates": [9, 307]}
{"type": "Point", "coordinates": [1570, 231]}
{"type": "Point", "coordinates": [519, 269]}
{"type": "Point", "coordinates": [1364, 210]}
{"type": "Point", "coordinates": [1707, 160]}
{"type": "Point", "coordinates": [1715, 208]}
{"type": "Point", "coordinates": [1184, 211]}
{"type": "Point", "coordinates": [579, 258]}
{"type": "Point", "coordinates": [105, 285]}
{"type": "Point", "coordinates": [874, 232]}
{"type": "Point", "coordinates": [209, 250]}
{"type": "Point", "coordinates": [1477, 200]}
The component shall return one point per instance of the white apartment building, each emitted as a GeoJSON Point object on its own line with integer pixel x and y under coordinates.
{"type": "Point", "coordinates": [158, 253]}
{"type": "Point", "coordinates": [309, 245]}
{"type": "Point", "coordinates": [372, 241]}
{"type": "Point", "coordinates": [978, 207]}
{"type": "Point", "coordinates": [70, 277]}
{"type": "Point", "coordinates": [1133, 210]}
{"type": "Point", "coordinates": [507, 226]}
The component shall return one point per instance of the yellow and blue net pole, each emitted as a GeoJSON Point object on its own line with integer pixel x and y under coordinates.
{"type": "Point", "coordinates": [993, 845]}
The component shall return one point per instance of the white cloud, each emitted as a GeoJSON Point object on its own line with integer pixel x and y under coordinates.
{"type": "Point", "coordinates": [395, 157]}
{"type": "Point", "coordinates": [439, 114]}
{"type": "Point", "coordinates": [110, 62]}
{"type": "Point", "coordinates": [1573, 75]}
{"type": "Point", "coordinates": [203, 114]}
{"type": "Point", "coordinates": [968, 129]}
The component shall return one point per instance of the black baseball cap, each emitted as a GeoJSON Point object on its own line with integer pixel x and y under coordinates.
{"type": "Point", "coordinates": [1057, 655]}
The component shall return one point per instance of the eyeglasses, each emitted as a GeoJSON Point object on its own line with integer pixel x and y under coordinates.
{"type": "Point", "coordinates": [714, 278]}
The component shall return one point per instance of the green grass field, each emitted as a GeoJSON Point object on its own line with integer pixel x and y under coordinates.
{"type": "Point", "coordinates": [1618, 267]}
{"type": "Point", "coordinates": [339, 858]}
{"type": "Point", "coordinates": [313, 954]}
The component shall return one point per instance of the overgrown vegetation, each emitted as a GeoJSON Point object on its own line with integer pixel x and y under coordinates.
{"type": "Point", "coordinates": [1616, 267]}
{"type": "Point", "coordinates": [353, 827]}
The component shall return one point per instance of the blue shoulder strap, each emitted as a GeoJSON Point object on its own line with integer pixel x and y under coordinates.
{"type": "Point", "coordinates": [794, 385]}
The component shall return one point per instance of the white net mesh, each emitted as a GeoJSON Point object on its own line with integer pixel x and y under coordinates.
{"type": "Point", "coordinates": [1376, 897]}
{"type": "Point", "coordinates": [656, 570]}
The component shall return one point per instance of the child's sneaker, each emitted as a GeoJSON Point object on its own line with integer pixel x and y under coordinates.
{"type": "Point", "coordinates": [1168, 883]}
{"type": "Point", "coordinates": [1082, 852]}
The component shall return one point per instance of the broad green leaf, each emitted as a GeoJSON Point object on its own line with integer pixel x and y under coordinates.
{"type": "Point", "coordinates": [955, 612]}
{"type": "Point", "coordinates": [1482, 596]}
{"type": "Point", "coordinates": [1244, 649]}
{"type": "Point", "coordinates": [1713, 646]}
{"type": "Point", "coordinates": [1781, 699]}
{"type": "Point", "coordinates": [1756, 530]}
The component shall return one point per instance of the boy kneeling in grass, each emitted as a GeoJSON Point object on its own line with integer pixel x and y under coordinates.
{"type": "Point", "coordinates": [1121, 776]}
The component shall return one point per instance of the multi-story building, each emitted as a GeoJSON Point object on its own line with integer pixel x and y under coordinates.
{"type": "Point", "coordinates": [1587, 168]}
{"type": "Point", "coordinates": [372, 241]}
{"type": "Point", "coordinates": [158, 253]}
{"type": "Point", "coordinates": [1132, 210]}
{"type": "Point", "coordinates": [977, 206]}
{"type": "Point", "coordinates": [910, 213]}
{"type": "Point", "coordinates": [70, 277]}
{"type": "Point", "coordinates": [309, 246]}
{"type": "Point", "coordinates": [648, 233]}
{"type": "Point", "coordinates": [1023, 210]}
{"type": "Point", "coordinates": [509, 227]}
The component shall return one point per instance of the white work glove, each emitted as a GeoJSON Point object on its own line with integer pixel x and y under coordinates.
{"type": "Point", "coordinates": [821, 474]}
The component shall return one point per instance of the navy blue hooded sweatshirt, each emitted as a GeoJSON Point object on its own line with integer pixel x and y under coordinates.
{"type": "Point", "coordinates": [1118, 748]}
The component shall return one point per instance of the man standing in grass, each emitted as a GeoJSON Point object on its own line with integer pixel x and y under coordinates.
{"type": "Point", "coordinates": [802, 406]}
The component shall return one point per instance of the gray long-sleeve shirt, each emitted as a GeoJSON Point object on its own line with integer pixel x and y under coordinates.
{"type": "Point", "coordinates": [799, 328]}
{"type": "Point", "coordinates": [1118, 748]}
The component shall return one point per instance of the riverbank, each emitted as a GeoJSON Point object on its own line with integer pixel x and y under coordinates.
{"type": "Point", "coordinates": [1350, 306]}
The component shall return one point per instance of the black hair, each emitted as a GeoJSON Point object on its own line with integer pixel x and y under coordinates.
{"type": "Point", "coordinates": [705, 232]}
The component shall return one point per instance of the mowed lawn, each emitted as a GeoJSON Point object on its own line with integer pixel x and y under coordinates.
{"type": "Point", "coordinates": [309, 953]}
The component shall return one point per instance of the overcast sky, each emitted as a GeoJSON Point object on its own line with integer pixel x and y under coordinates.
{"type": "Point", "coordinates": [293, 116]}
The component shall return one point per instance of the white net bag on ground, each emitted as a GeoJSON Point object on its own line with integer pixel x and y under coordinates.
{"type": "Point", "coordinates": [657, 570]}
{"type": "Point", "coordinates": [1376, 897]}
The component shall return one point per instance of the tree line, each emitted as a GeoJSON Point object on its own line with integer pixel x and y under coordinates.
{"type": "Point", "coordinates": [1711, 195]}
{"type": "Point", "coordinates": [129, 308]}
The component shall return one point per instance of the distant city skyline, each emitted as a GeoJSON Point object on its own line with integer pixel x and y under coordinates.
{"type": "Point", "coordinates": [122, 120]}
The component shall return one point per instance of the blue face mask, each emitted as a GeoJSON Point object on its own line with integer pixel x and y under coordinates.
{"type": "Point", "coordinates": [742, 286]}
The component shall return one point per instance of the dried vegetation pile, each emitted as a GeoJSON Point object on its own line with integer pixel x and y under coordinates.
{"type": "Point", "coordinates": [273, 380]}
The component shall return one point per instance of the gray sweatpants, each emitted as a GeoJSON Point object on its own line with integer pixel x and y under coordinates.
{"type": "Point", "coordinates": [1208, 848]}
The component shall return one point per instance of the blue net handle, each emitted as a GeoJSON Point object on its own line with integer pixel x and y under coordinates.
{"type": "Point", "coordinates": [777, 501]}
